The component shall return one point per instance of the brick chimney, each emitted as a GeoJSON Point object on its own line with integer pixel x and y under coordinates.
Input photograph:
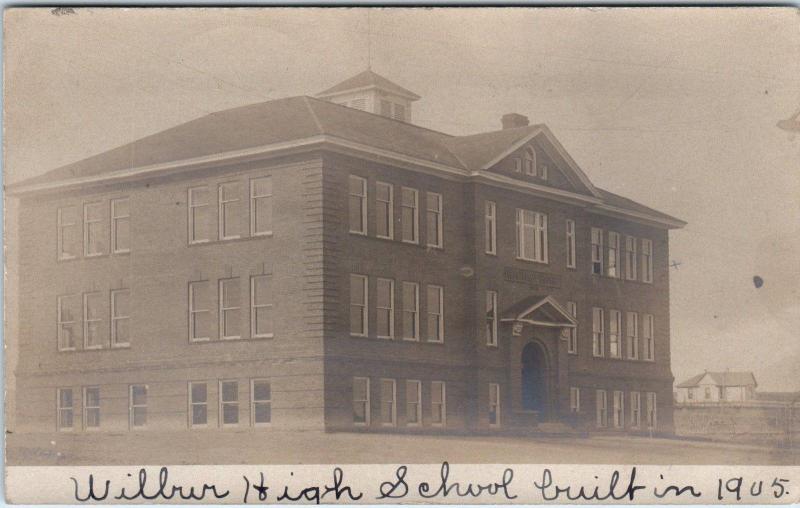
{"type": "Point", "coordinates": [514, 120]}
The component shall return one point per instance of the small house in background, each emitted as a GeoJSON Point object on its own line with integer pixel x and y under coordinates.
{"type": "Point", "coordinates": [712, 387]}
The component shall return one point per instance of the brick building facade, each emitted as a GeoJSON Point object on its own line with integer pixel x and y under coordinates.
{"type": "Point", "coordinates": [302, 264]}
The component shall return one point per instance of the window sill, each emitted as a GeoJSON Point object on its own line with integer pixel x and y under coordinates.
{"type": "Point", "coordinates": [228, 240]}
{"type": "Point", "coordinates": [229, 339]}
{"type": "Point", "coordinates": [534, 261]}
{"type": "Point", "coordinates": [359, 233]}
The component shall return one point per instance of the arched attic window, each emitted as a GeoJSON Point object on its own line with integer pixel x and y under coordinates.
{"type": "Point", "coordinates": [530, 162]}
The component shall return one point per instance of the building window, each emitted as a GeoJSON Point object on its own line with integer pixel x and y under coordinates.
{"type": "Point", "coordinates": [230, 219]}
{"type": "Point", "coordinates": [361, 409]}
{"type": "Point", "coordinates": [120, 317]}
{"type": "Point", "coordinates": [572, 345]}
{"type": "Point", "coordinates": [630, 257]}
{"type": "Point", "coordinates": [358, 205]}
{"type": "Point", "coordinates": [574, 399]}
{"type": "Point", "coordinates": [137, 406]}
{"type": "Point", "coordinates": [517, 164]}
{"type": "Point", "coordinates": [619, 409]}
{"type": "Point", "coordinates": [260, 402]}
{"type": "Point", "coordinates": [597, 251]}
{"type": "Point", "coordinates": [198, 404]}
{"type": "Point", "coordinates": [260, 206]}
{"type": "Point", "coordinates": [93, 237]}
{"type": "Point", "coordinates": [632, 337]}
{"type": "Point", "coordinates": [494, 405]}
{"type": "Point", "coordinates": [438, 403]}
{"type": "Point", "coordinates": [601, 403]}
{"type": "Point", "coordinates": [199, 310]}
{"type": "Point", "coordinates": [358, 305]}
{"type": "Point", "coordinates": [388, 402]}
{"type": "Point", "coordinates": [261, 306]}
{"type": "Point", "coordinates": [531, 236]}
{"type": "Point", "coordinates": [409, 216]}
{"type": "Point", "coordinates": [613, 255]}
{"type": "Point", "coordinates": [120, 226]}
{"type": "Point", "coordinates": [65, 411]}
{"type": "Point", "coordinates": [649, 338]}
{"type": "Point", "coordinates": [386, 108]}
{"type": "Point", "coordinates": [230, 308]}
{"type": "Point", "coordinates": [67, 232]}
{"type": "Point", "coordinates": [491, 318]}
{"type": "Point", "coordinates": [199, 215]}
{"type": "Point", "coordinates": [384, 197]}
{"type": "Point", "coordinates": [229, 402]}
{"type": "Point", "coordinates": [435, 314]}
{"type": "Point", "coordinates": [490, 227]}
{"type": "Point", "coordinates": [385, 306]}
{"type": "Point", "coordinates": [647, 260]}
{"type": "Point", "coordinates": [690, 393]}
{"type": "Point", "coordinates": [570, 243]}
{"type": "Point", "coordinates": [413, 402]}
{"type": "Point", "coordinates": [543, 172]}
{"type": "Point", "coordinates": [707, 393]}
{"type": "Point", "coordinates": [68, 327]}
{"type": "Point", "coordinates": [399, 112]}
{"type": "Point", "coordinates": [530, 162]}
{"type": "Point", "coordinates": [614, 330]}
{"type": "Point", "coordinates": [410, 311]}
{"type": "Point", "coordinates": [652, 417]}
{"type": "Point", "coordinates": [434, 214]}
{"type": "Point", "coordinates": [92, 321]}
{"type": "Point", "coordinates": [91, 407]}
{"type": "Point", "coordinates": [636, 409]}
{"type": "Point", "coordinates": [598, 335]}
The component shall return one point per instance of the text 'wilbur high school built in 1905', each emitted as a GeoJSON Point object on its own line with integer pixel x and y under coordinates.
{"type": "Point", "coordinates": [323, 263]}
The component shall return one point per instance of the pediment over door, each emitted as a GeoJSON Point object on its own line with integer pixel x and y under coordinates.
{"type": "Point", "coordinates": [538, 311]}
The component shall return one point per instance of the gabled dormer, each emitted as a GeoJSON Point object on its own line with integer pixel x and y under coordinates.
{"type": "Point", "coordinates": [373, 93]}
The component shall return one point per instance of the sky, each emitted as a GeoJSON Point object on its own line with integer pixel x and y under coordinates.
{"type": "Point", "coordinates": [675, 108]}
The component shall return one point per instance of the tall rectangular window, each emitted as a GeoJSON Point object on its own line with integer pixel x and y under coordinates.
{"type": "Point", "coordinates": [435, 314]}
{"type": "Point", "coordinates": [438, 403]}
{"type": "Point", "coordinates": [137, 406]}
{"type": "Point", "coordinates": [630, 258]}
{"type": "Point", "coordinates": [574, 399]}
{"type": "Point", "coordinates": [597, 251]}
{"type": "Point", "coordinates": [230, 210]}
{"type": "Point", "coordinates": [619, 409]}
{"type": "Point", "coordinates": [261, 306]}
{"type": "Point", "coordinates": [69, 308]}
{"type": "Point", "coordinates": [413, 402]}
{"type": "Point", "coordinates": [613, 255]}
{"type": "Point", "coordinates": [199, 310]}
{"type": "Point", "coordinates": [649, 338]}
{"type": "Point", "coordinates": [388, 402]}
{"type": "Point", "coordinates": [531, 236]}
{"type": "Point", "coordinates": [361, 409]}
{"type": "Point", "coordinates": [385, 308]}
{"type": "Point", "coordinates": [410, 310]}
{"type": "Point", "coordinates": [120, 317]}
{"type": "Point", "coordinates": [636, 410]}
{"type": "Point", "coordinates": [632, 336]}
{"type": "Point", "coordinates": [198, 404]}
{"type": "Point", "coordinates": [598, 334]}
{"type": "Point", "coordinates": [358, 204]}
{"type": "Point", "coordinates": [384, 198]}
{"type": "Point", "coordinates": [409, 215]}
{"type": "Point", "coordinates": [93, 329]}
{"type": "Point", "coordinates": [229, 402]}
{"type": "Point", "coordinates": [601, 406]}
{"type": "Point", "coordinates": [358, 305]}
{"type": "Point", "coordinates": [647, 260]}
{"type": "Point", "coordinates": [260, 402]}
{"type": "Point", "coordinates": [65, 411]}
{"type": "Point", "coordinates": [93, 238]}
{"type": "Point", "coordinates": [614, 331]}
{"type": "Point", "coordinates": [491, 318]}
{"type": "Point", "coordinates": [120, 226]}
{"type": "Point", "coordinates": [199, 215]}
{"type": "Point", "coordinates": [572, 345]}
{"type": "Point", "coordinates": [490, 227]}
{"type": "Point", "coordinates": [652, 407]}
{"type": "Point", "coordinates": [68, 238]}
{"type": "Point", "coordinates": [434, 222]}
{"type": "Point", "coordinates": [230, 308]}
{"type": "Point", "coordinates": [91, 407]}
{"type": "Point", "coordinates": [570, 243]}
{"type": "Point", "coordinates": [261, 206]}
{"type": "Point", "coordinates": [494, 405]}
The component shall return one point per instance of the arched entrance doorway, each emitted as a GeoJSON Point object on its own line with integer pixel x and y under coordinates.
{"type": "Point", "coordinates": [534, 378]}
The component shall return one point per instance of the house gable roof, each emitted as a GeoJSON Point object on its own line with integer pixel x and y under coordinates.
{"type": "Point", "coordinates": [728, 378]}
